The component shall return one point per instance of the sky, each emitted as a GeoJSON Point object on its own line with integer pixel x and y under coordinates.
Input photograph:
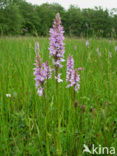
{"type": "Point", "coordinates": [109, 4]}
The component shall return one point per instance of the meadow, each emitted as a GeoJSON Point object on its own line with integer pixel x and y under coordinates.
{"type": "Point", "coordinates": [29, 123]}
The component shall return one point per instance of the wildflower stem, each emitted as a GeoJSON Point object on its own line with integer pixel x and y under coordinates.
{"type": "Point", "coordinates": [47, 141]}
{"type": "Point", "coordinates": [58, 115]}
{"type": "Point", "coordinates": [69, 110]}
{"type": "Point", "coordinates": [74, 94]}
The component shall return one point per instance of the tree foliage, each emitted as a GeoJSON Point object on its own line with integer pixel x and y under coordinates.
{"type": "Point", "coordinates": [22, 18]}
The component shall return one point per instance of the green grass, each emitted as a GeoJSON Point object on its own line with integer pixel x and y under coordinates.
{"type": "Point", "coordinates": [23, 128]}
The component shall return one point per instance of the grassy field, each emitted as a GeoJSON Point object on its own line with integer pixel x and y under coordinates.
{"type": "Point", "coordinates": [29, 125]}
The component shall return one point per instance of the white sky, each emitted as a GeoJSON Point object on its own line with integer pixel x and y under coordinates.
{"type": "Point", "coordinates": [109, 4]}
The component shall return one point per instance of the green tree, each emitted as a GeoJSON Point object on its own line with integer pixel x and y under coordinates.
{"type": "Point", "coordinates": [47, 12]}
{"type": "Point", "coordinates": [21, 17]}
{"type": "Point", "coordinates": [11, 20]}
{"type": "Point", "coordinates": [30, 19]}
{"type": "Point", "coordinates": [73, 21]}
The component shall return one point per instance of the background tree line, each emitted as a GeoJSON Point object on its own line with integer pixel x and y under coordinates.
{"type": "Point", "coordinates": [18, 17]}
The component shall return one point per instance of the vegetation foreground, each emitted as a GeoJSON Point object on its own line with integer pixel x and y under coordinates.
{"type": "Point", "coordinates": [92, 119]}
